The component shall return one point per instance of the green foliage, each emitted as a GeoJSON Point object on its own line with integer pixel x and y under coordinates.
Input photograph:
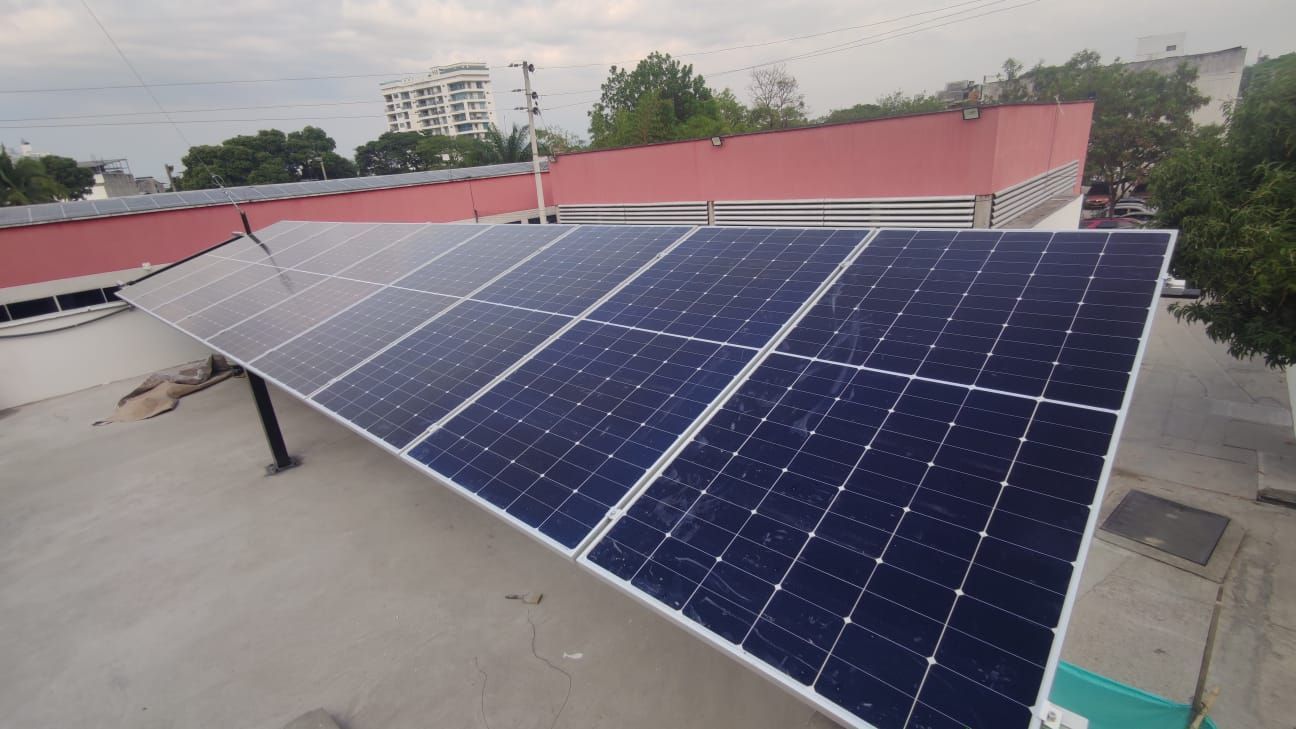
{"type": "Point", "coordinates": [777, 101]}
{"type": "Point", "coordinates": [270, 156]}
{"type": "Point", "coordinates": [1231, 197]}
{"type": "Point", "coordinates": [556, 140]}
{"type": "Point", "coordinates": [500, 148]}
{"type": "Point", "coordinates": [51, 178]}
{"type": "Point", "coordinates": [76, 181]}
{"type": "Point", "coordinates": [1139, 116]}
{"type": "Point", "coordinates": [390, 154]}
{"type": "Point", "coordinates": [661, 100]}
{"type": "Point", "coordinates": [893, 104]}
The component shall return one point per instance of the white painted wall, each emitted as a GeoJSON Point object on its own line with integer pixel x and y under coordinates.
{"type": "Point", "coordinates": [1066, 217]}
{"type": "Point", "coordinates": [54, 363]}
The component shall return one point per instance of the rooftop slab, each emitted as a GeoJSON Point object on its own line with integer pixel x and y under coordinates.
{"type": "Point", "coordinates": [151, 576]}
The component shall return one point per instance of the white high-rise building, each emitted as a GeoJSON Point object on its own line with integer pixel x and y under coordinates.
{"type": "Point", "coordinates": [454, 100]}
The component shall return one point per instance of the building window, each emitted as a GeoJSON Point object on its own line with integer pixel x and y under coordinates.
{"type": "Point", "coordinates": [1173, 47]}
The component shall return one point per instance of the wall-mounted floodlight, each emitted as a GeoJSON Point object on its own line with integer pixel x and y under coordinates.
{"type": "Point", "coordinates": [971, 112]}
{"type": "Point", "coordinates": [716, 141]}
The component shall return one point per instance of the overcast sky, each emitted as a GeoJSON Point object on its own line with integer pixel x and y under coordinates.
{"type": "Point", "coordinates": [56, 44]}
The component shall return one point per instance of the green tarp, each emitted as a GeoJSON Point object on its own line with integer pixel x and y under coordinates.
{"type": "Point", "coordinates": [1108, 704]}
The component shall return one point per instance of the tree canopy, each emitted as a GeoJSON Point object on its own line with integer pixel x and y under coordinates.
{"type": "Point", "coordinates": [1139, 116]}
{"type": "Point", "coordinates": [267, 157]}
{"type": "Point", "coordinates": [893, 104]}
{"type": "Point", "coordinates": [1230, 194]}
{"type": "Point", "coordinates": [660, 100]}
{"type": "Point", "coordinates": [777, 101]}
{"type": "Point", "coordinates": [31, 180]}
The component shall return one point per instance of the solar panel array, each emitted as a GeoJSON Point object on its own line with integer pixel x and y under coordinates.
{"type": "Point", "coordinates": [864, 463]}
{"type": "Point", "coordinates": [54, 212]}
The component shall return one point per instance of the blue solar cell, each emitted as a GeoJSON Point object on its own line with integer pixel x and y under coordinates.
{"type": "Point", "coordinates": [1033, 313]}
{"type": "Point", "coordinates": [310, 361]}
{"type": "Point", "coordinates": [399, 393]}
{"type": "Point", "coordinates": [880, 539]}
{"type": "Point", "coordinates": [733, 285]}
{"type": "Point", "coordinates": [575, 271]}
{"type": "Point", "coordinates": [279, 323]}
{"type": "Point", "coordinates": [490, 253]}
{"type": "Point", "coordinates": [563, 439]}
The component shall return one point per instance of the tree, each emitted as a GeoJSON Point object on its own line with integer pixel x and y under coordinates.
{"type": "Point", "coordinates": [652, 103]}
{"type": "Point", "coordinates": [1231, 197]}
{"type": "Point", "coordinates": [390, 154]}
{"type": "Point", "coordinates": [28, 180]}
{"type": "Point", "coordinates": [893, 104]}
{"type": "Point", "coordinates": [555, 140]}
{"type": "Point", "coordinates": [777, 101]}
{"type": "Point", "coordinates": [1012, 86]}
{"type": "Point", "coordinates": [76, 181]}
{"type": "Point", "coordinates": [270, 156]}
{"type": "Point", "coordinates": [512, 147]}
{"type": "Point", "coordinates": [1139, 116]}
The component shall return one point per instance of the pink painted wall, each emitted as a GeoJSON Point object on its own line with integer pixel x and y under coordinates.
{"type": "Point", "coordinates": [1035, 138]}
{"type": "Point", "coordinates": [923, 155]}
{"type": "Point", "coordinates": [920, 156]}
{"type": "Point", "coordinates": [51, 251]}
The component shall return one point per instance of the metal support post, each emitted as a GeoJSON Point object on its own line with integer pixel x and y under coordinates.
{"type": "Point", "coordinates": [270, 423]}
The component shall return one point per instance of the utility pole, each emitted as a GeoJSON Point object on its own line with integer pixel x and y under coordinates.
{"type": "Point", "coordinates": [532, 108]}
{"type": "Point", "coordinates": [322, 170]}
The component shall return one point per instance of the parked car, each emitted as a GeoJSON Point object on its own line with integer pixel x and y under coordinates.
{"type": "Point", "coordinates": [1105, 223]}
{"type": "Point", "coordinates": [1096, 202]}
{"type": "Point", "coordinates": [1139, 212]}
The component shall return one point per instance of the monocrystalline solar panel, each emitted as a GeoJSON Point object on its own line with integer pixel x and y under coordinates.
{"type": "Point", "coordinates": [413, 253]}
{"type": "Point", "coordinates": [254, 337]}
{"type": "Point", "coordinates": [899, 547]}
{"type": "Point", "coordinates": [864, 464]}
{"type": "Point", "coordinates": [359, 247]}
{"type": "Point", "coordinates": [468, 267]}
{"type": "Point", "coordinates": [312, 359]}
{"type": "Point", "coordinates": [733, 285]}
{"type": "Point", "coordinates": [580, 268]}
{"type": "Point", "coordinates": [275, 286]}
{"type": "Point", "coordinates": [561, 440]}
{"type": "Point", "coordinates": [267, 249]}
{"type": "Point", "coordinates": [400, 392]}
{"type": "Point", "coordinates": [1033, 313]}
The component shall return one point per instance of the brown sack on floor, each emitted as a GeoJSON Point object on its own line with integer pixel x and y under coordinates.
{"type": "Point", "coordinates": [160, 391]}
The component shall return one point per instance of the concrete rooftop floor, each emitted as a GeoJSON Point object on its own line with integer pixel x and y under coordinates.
{"type": "Point", "coordinates": [151, 576]}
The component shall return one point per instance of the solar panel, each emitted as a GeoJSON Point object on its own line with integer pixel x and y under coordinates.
{"type": "Point", "coordinates": [895, 548]}
{"type": "Point", "coordinates": [560, 441]}
{"type": "Point", "coordinates": [400, 392]}
{"type": "Point", "coordinates": [312, 359]}
{"type": "Point", "coordinates": [865, 466]}
{"type": "Point", "coordinates": [734, 285]}
{"type": "Point", "coordinates": [1033, 313]}
{"type": "Point", "coordinates": [255, 336]}
{"type": "Point", "coordinates": [470, 266]}
{"type": "Point", "coordinates": [581, 267]}
{"type": "Point", "coordinates": [411, 253]}
{"type": "Point", "coordinates": [275, 286]}
{"type": "Point", "coordinates": [267, 249]}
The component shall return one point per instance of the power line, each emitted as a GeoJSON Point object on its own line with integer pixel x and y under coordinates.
{"type": "Point", "coordinates": [334, 77]}
{"type": "Point", "coordinates": [222, 82]}
{"type": "Point", "coordinates": [762, 44]}
{"type": "Point", "coordinates": [921, 27]}
{"type": "Point", "coordinates": [189, 121]}
{"type": "Point", "coordinates": [870, 40]}
{"type": "Point", "coordinates": [194, 111]}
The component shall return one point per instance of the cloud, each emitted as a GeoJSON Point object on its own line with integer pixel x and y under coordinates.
{"type": "Point", "coordinates": [49, 45]}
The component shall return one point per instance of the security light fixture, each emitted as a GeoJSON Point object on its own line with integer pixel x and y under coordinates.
{"type": "Point", "coordinates": [971, 112]}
